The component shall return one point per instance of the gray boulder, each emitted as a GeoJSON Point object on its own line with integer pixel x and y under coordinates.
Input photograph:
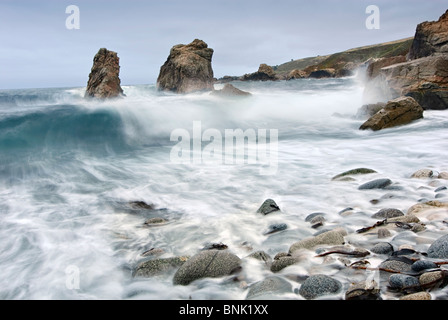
{"type": "Point", "coordinates": [319, 285]}
{"type": "Point", "coordinates": [268, 207]}
{"type": "Point", "coordinates": [207, 264]}
{"type": "Point", "coordinates": [269, 288]}
{"type": "Point", "coordinates": [439, 248]}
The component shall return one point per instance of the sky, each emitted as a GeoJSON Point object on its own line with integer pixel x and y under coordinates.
{"type": "Point", "coordinates": [37, 49]}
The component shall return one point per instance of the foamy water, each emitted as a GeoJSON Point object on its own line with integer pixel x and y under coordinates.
{"type": "Point", "coordinates": [69, 168]}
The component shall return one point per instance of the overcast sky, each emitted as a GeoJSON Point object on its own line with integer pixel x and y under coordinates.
{"type": "Point", "coordinates": [37, 50]}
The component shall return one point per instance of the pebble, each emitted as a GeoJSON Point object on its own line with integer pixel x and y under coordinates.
{"type": "Point", "coordinates": [319, 285]}
{"type": "Point", "coordinates": [402, 281]}
{"type": "Point", "coordinates": [382, 248]}
{"type": "Point", "coordinates": [209, 263]}
{"type": "Point", "coordinates": [269, 288]}
{"type": "Point", "coordinates": [397, 264]}
{"type": "Point", "coordinates": [332, 237]}
{"type": "Point", "coordinates": [422, 174]}
{"type": "Point", "coordinates": [353, 172]}
{"type": "Point", "coordinates": [154, 267]}
{"type": "Point", "coordinates": [388, 213]}
{"type": "Point", "coordinates": [443, 175]}
{"type": "Point", "coordinates": [268, 207]}
{"type": "Point", "coordinates": [421, 265]}
{"type": "Point", "coordinates": [417, 296]}
{"type": "Point", "coordinates": [431, 278]}
{"type": "Point", "coordinates": [439, 248]}
{"type": "Point", "coordinates": [275, 228]}
{"type": "Point", "coordinates": [364, 290]}
{"type": "Point", "coordinates": [283, 262]}
{"type": "Point", "coordinates": [376, 184]}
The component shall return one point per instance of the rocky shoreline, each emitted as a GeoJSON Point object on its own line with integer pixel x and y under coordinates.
{"type": "Point", "coordinates": [368, 263]}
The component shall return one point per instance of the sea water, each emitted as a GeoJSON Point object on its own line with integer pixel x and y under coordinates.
{"type": "Point", "coordinates": [70, 169]}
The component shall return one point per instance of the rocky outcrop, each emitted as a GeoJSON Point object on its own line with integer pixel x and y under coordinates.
{"type": "Point", "coordinates": [323, 73]}
{"type": "Point", "coordinates": [430, 38]}
{"type": "Point", "coordinates": [264, 73]}
{"type": "Point", "coordinates": [424, 76]}
{"type": "Point", "coordinates": [187, 69]}
{"type": "Point", "coordinates": [396, 112]}
{"type": "Point", "coordinates": [104, 81]}
{"type": "Point", "coordinates": [230, 91]}
{"type": "Point", "coordinates": [296, 74]}
{"type": "Point", "coordinates": [374, 67]}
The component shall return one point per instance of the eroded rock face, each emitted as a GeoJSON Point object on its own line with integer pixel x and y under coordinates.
{"type": "Point", "coordinates": [396, 112]}
{"type": "Point", "coordinates": [187, 69]}
{"type": "Point", "coordinates": [264, 73]}
{"type": "Point", "coordinates": [104, 81]}
{"type": "Point", "coordinates": [430, 38]}
{"type": "Point", "coordinates": [424, 76]}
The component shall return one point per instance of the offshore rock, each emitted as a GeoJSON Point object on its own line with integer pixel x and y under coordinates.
{"type": "Point", "coordinates": [397, 112]}
{"type": "Point", "coordinates": [264, 73]}
{"type": "Point", "coordinates": [187, 69]}
{"type": "Point", "coordinates": [104, 81]}
{"type": "Point", "coordinates": [230, 91]}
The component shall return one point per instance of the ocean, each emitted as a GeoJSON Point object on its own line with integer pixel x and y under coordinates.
{"type": "Point", "coordinates": [72, 172]}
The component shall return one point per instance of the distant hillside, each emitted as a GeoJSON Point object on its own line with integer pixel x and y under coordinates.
{"type": "Point", "coordinates": [340, 59]}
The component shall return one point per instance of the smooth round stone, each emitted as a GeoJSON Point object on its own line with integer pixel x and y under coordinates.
{"type": "Point", "coordinates": [382, 248]}
{"type": "Point", "coordinates": [388, 213]}
{"type": "Point", "coordinates": [396, 264]}
{"type": "Point", "coordinates": [319, 285]}
{"type": "Point", "coordinates": [207, 264]}
{"type": "Point", "coordinates": [282, 263]}
{"type": "Point", "coordinates": [275, 228]}
{"type": "Point", "coordinates": [421, 265]}
{"type": "Point", "coordinates": [422, 174]}
{"type": "Point", "coordinates": [431, 277]}
{"type": "Point", "coordinates": [402, 281]}
{"type": "Point", "coordinates": [269, 288]}
{"type": "Point", "coordinates": [376, 184]}
{"type": "Point", "coordinates": [439, 248]}
{"type": "Point", "coordinates": [417, 296]}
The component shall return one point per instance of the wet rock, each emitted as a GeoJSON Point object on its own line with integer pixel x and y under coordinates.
{"type": "Point", "coordinates": [417, 296]}
{"type": "Point", "coordinates": [397, 112]}
{"type": "Point", "coordinates": [332, 237]}
{"type": "Point", "coordinates": [439, 248]}
{"type": "Point", "coordinates": [104, 81]}
{"type": "Point", "coordinates": [357, 171]}
{"type": "Point", "coordinates": [268, 207]}
{"type": "Point", "coordinates": [230, 91]}
{"type": "Point", "coordinates": [423, 174]}
{"type": "Point", "coordinates": [424, 209]}
{"type": "Point", "coordinates": [209, 263]}
{"type": "Point", "coordinates": [396, 264]}
{"type": "Point", "coordinates": [311, 216]}
{"type": "Point", "coordinates": [317, 222]}
{"type": "Point", "coordinates": [376, 184]}
{"type": "Point", "coordinates": [274, 228]}
{"type": "Point", "coordinates": [269, 289]}
{"type": "Point", "coordinates": [262, 256]}
{"type": "Point", "coordinates": [283, 262]}
{"type": "Point", "coordinates": [388, 213]}
{"type": "Point", "coordinates": [403, 281]}
{"type": "Point", "coordinates": [264, 73]}
{"type": "Point", "coordinates": [215, 246]}
{"type": "Point", "coordinates": [382, 248]}
{"type": "Point", "coordinates": [383, 233]}
{"type": "Point", "coordinates": [141, 205]}
{"type": "Point", "coordinates": [188, 68]}
{"type": "Point", "coordinates": [433, 279]}
{"type": "Point", "coordinates": [430, 38]}
{"type": "Point", "coordinates": [421, 265]}
{"type": "Point", "coordinates": [155, 222]}
{"type": "Point", "coordinates": [443, 175]}
{"type": "Point", "coordinates": [155, 267]}
{"type": "Point", "coordinates": [440, 189]}
{"type": "Point", "coordinates": [319, 285]}
{"type": "Point", "coordinates": [365, 290]}
{"type": "Point", "coordinates": [152, 252]}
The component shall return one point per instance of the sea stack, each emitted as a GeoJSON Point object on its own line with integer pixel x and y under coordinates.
{"type": "Point", "coordinates": [104, 81]}
{"type": "Point", "coordinates": [187, 69]}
